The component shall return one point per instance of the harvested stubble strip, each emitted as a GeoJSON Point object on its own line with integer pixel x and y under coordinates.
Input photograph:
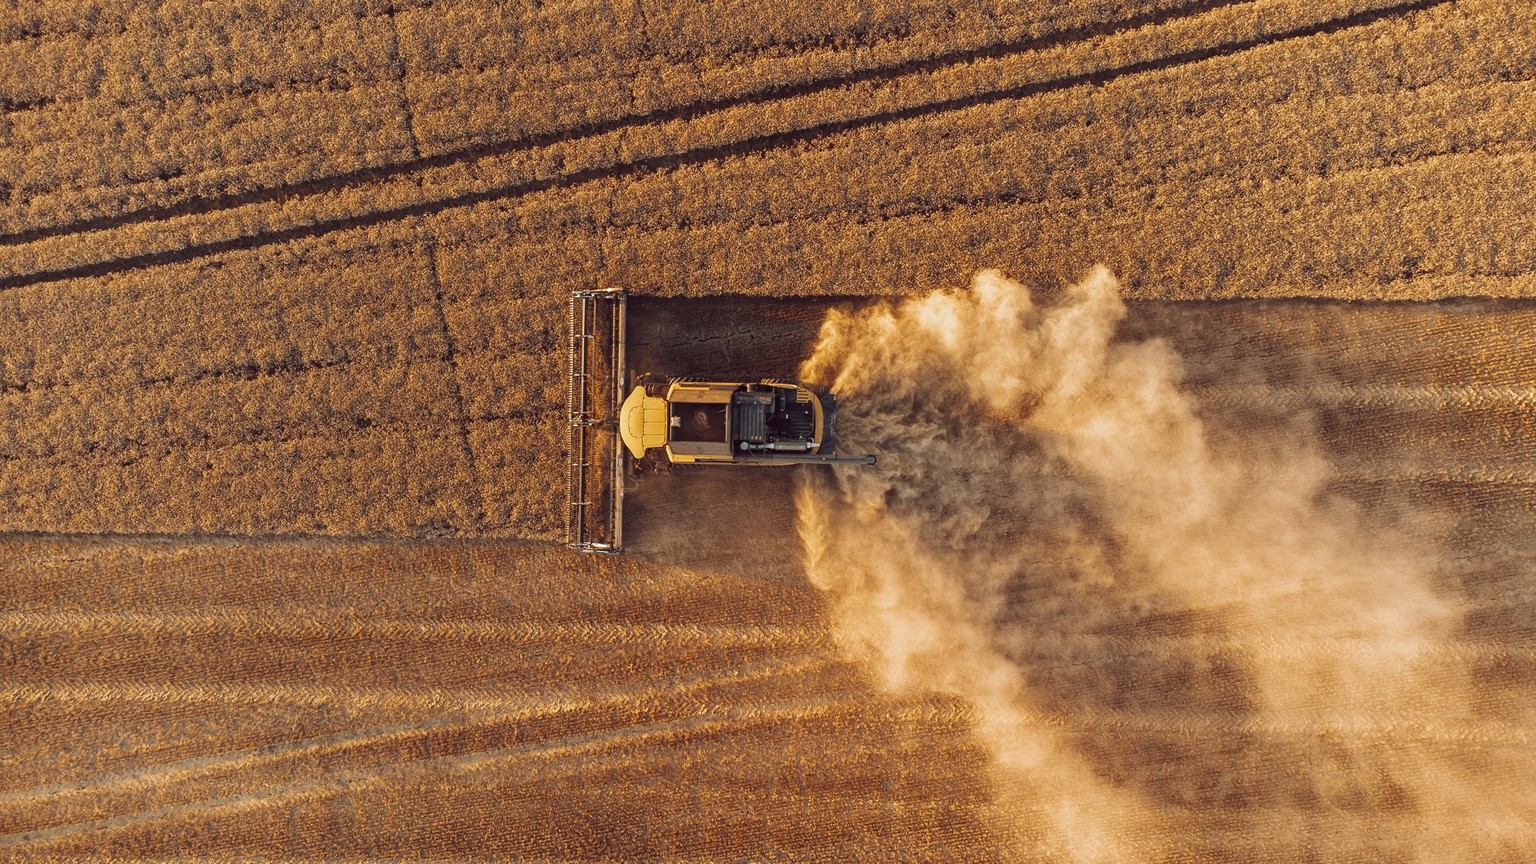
{"type": "Point", "coordinates": [1476, 353]}
{"type": "Point", "coordinates": [539, 761]}
{"type": "Point", "coordinates": [256, 622]}
{"type": "Point", "coordinates": [115, 666]}
{"type": "Point", "coordinates": [405, 738]}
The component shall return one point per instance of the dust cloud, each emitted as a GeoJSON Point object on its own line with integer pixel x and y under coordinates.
{"type": "Point", "coordinates": [1171, 648]}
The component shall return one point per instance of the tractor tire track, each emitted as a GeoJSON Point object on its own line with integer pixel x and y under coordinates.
{"type": "Point", "coordinates": [1192, 191]}
{"type": "Point", "coordinates": [1079, 647]}
{"type": "Point", "coordinates": [340, 433]}
{"type": "Point", "coordinates": [541, 760]}
{"type": "Point", "coordinates": [342, 743]}
{"type": "Point", "coordinates": [316, 624]}
{"type": "Point", "coordinates": [310, 695]}
{"type": "Point", "coordinates": [685, 113]}
{"type": "Point", "coordinates": [888, 38]}
{"type": "Point", "coordinates": [1427, 398]}
{"type": "Point", "coordinates": [691, 156]}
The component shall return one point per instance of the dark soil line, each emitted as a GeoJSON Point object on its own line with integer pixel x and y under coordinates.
{"type": "Point", "coordinates": [761, 144]}
{"type": "Point", "coordinates": [685, 112]}
{"type": "Point", "coordinates": [343, 428]}
{"type": "Point", "coordinates": [908, 208]}
{"type": "Point", "coordinates": [16, 106]}
{"type": "Point", "coordinates": [192, 539]}
{"type": "Point", "coordinates": [249, 370]}
{"type": "Point", "coordinates": [461, 415]}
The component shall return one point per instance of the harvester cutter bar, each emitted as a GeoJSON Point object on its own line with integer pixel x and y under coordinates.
{"type": "Point", "coordinates": [594, 390]}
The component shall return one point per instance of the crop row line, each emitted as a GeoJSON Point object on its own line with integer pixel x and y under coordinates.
{"type": "Point", "coordinates": [315, 624]}
{"type": "Point", "coordinates": [249, 370]}
{"type": "Point", "coordinates": [1394, 397]}
{"type": "Point", "coordinates": [548, 757]}
{"type": "Point", "coordinates": [309, 695]}
{"type": "Point", "coordinates": [25, 34]}
{"type": "Point", "coordinates": [694, 110]}
{"type": "Point", "coordinates": [41, 232]}
{"type": "Point", "coordinates": [313, 265]}
{"type": "Point", "coordinates": [214, 93]}
{"type": "Point", "coordinates": [1286, 647]}
{"type": "Point", "coordinates": [922, 208]}
{"type": "Point", "coordinates": [325, 83]}
{"type": "Point", "coordinates": [598, 699]}
{"type": "Point", "coordinates": [318, 623]}
{"type": "Point", "coordinates": [274, 434]}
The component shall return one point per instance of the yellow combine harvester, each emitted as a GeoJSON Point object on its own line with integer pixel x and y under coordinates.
{"type": "Point", "coordinates": [725, 423]}
{"type": "Point", "coordinates": [765, 422]}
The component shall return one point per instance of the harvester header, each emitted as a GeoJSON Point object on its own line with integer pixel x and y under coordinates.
{"type": "Point", "coordinates": [594, 517]}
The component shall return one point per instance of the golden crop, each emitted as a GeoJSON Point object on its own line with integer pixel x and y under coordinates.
{"type": "Point", "coordinates": [299, 270]}
{"type": "Point", "coordinates": [234, 693]}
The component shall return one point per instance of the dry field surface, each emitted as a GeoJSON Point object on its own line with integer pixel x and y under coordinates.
{"type": "Point", "coordinates": [451, 700]}
{"type": "Point", "coordinates": [282, 389]}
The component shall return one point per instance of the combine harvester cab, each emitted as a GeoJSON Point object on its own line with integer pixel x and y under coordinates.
{"type": "Point", "coordinates": [765, 422]}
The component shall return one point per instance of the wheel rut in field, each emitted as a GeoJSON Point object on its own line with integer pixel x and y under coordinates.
{"type": "Point", "coordinates": [817, 126]}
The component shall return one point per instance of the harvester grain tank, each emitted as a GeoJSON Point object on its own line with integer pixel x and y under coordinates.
{"type": "Point", "coordinates": [684, 421]}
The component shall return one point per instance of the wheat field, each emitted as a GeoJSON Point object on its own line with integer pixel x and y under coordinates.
{"type": "Point", "coordinates": [282, 366]}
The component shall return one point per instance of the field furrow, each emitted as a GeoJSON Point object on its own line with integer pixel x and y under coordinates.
{"type": "Point", "coordinates": [462, 730]}
{"type": "Point", "coordinates": [540, 762]}
{"type": "Point", "coordinates": [540, 90]}
{"type": "Point", "coordinates": [283, 442]}
{"type": "Point", "coordinates": [768, 130]}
